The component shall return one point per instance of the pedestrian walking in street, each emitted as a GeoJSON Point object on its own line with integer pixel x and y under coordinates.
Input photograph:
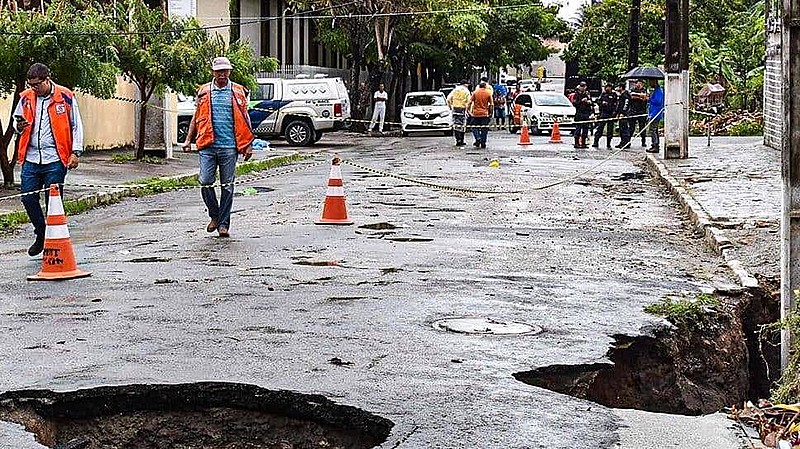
{"type": "Point", "coordinates": [584, 108]}
{"type": "Point", "coordinates": [499, 101]}
{"type": "Point", "coordinates": [379, 108]}
{"type": "Point", "coordinates": [223, 130]}
{"type": "Point", "coordinates": [623, 111]}
{"type": "Point", "coordinates": [655, 113]}
{"type": "Point", "coordinates": [50, 113]}
{"type": "Point", "coordinates": [458, 100]}
{"type": "Point", "coordinates": [607, 104]}
{"type": "Point", "coordinates": [639, 100]}
{"type": "Point", "coordinates": [479, 107]}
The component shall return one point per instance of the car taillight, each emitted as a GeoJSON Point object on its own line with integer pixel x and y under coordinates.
{"type": "Point", "coordinates": [337, 110]}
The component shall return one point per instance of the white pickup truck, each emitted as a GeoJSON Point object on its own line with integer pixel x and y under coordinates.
{"type": "Point", "coordinates": [300, 110]}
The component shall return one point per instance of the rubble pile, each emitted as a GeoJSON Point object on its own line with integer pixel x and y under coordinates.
{"type": "Point", "coordinates": [733, 123]}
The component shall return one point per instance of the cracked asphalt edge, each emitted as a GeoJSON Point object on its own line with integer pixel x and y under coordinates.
{"type": "Point", "coordinates": [714, 236]}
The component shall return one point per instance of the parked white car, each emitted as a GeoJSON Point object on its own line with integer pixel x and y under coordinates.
{"type": "Point", "coordinates": [426, 111]}
{"type": "Point", "coordinates": [541, 109]}
{"type": "Point", "coordinates": [526, 85]}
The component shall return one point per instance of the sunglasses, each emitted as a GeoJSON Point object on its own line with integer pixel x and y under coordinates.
{"type": "Point", "coordinates": [35, 85]}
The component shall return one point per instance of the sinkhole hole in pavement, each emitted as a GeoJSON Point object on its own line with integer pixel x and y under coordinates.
{"type": "Point", "coordinates": [209, 415]}
{"type": "Point", "coordinates": [687, 368]}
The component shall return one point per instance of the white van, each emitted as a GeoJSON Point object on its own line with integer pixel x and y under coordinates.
{"type": "Point", "coordinates": [299, 110]}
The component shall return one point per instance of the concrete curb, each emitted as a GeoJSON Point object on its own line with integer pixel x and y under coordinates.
{"type": "Point", "coordinates": [714, 236]}
{"type": "Point", "coordinates": [103, 198]}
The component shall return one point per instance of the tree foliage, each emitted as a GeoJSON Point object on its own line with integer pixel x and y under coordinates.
{"type": "Point", "coordinates": [71, 41]}
{"type": "Point", "coordinates": [157, 52]}
{"type": "Point", "coordinates": [726, 41]}
{"type": "Point", "coordinates": [601, 44]}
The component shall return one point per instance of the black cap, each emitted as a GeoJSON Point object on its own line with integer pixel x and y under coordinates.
{"type": "Point", "coordinates": [620, 84]}
{"type": "Point", "coordinates": [609, 85]}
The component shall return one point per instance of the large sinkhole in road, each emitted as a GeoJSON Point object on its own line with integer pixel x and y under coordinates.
{"type": "Point", "coordinates": [208, 415]}
{"type": "Point", "coordinates": [690, 369]}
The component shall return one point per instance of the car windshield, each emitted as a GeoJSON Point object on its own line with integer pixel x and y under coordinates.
{"type": "Point", "coordinates": [425, 100]}
{"type": "Point", "coordinates": [551, 100]}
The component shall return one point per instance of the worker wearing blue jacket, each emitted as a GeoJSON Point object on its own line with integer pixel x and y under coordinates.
{"type": "Point", "coordinates": [655, 113]}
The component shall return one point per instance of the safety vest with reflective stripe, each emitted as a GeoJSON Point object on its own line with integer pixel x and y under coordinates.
{"type": "Point", "coordinates": [60, 112]}
{"type": "Point", "coordinates": [241, 120]}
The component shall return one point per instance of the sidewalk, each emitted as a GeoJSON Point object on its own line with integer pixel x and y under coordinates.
{"type": "Point", "coordinates": [732, 193]}
{"type": "Point", "coordinates": [97, 168]}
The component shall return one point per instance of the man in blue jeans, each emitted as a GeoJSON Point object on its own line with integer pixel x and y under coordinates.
{"type": "Point", "coordinates": [50, 142]}
{"type": "Point", "coordinates": [223, 130]}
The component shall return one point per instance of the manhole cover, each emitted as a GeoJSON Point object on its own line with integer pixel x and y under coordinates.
{"type": "Point", "coordinates": [486, 326]}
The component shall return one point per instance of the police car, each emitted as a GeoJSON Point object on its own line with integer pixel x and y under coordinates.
{"type": "Point", "coordinates": [299, 110]}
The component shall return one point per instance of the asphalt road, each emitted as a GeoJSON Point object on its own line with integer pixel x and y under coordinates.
{"type": "Point", "coordinates": [579, 260]}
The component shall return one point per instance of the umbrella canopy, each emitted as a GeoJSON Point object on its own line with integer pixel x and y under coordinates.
{"type": "Point", "coordinates": [645, 73]}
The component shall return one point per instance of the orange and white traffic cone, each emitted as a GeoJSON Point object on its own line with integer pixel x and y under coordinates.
{"type": "Point", "coordinates": [555, 136]}
{"type": "Point", "coordinates": [524, 137]}
{"type": "Point", "coordinates": [334, 211]}
{"type": "Point", "coordinates": [58, 259]}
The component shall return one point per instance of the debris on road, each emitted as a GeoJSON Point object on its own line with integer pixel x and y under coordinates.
{"type": "Point", "coordinates": [778, 425]}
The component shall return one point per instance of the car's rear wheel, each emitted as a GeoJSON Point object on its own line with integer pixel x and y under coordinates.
{"type": "Point", "coordinates": [183, 130]}
{"type": "Point", "coordinates": [299, 133]}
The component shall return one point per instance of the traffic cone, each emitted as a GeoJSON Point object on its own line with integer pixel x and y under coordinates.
{"type": "Point", "coordinates": [524, 137]}
{"type": "Point", "coordinates": [334, 211]}
{"type": "Point", "coordinates": [555, 136]}
{"type": "Point", "coordinates": [58, 259]}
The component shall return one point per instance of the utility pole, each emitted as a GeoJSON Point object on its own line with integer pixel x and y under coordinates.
{"type": "Point", "coordinates": [676, 88]}
{"type": "Point", "coordinates": [633, 42]}
{"type": "Point", "coordinates": [790, 162]}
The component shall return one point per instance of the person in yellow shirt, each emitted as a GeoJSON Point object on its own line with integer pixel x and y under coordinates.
{"type": "Point", "coordinates": [457, 100]}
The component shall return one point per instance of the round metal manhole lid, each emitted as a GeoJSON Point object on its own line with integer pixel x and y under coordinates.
{"type": "Point", "coordinates": [485, 326]}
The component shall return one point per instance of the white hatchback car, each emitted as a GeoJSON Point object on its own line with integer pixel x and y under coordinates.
{"type": "Point", "coordinates": [426, 111]}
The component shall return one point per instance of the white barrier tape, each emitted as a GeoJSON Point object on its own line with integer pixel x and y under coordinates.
{"type": "Point", "coordinates": [500, 192]}
{"type": "Point", "coordinates": [245, 180]}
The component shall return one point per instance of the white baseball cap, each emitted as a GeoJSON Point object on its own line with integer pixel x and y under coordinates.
{"type": "Point", "coordinates": [221, 63]}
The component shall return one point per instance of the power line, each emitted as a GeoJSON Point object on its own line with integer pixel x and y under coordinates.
{"type": "Point", "coordinates": [255, 20]}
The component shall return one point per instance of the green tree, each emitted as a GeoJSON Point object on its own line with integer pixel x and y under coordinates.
{"type": "Point", "coordinates": [72, 42]}
{"type": "Point", "coordinates": [601, 44]}
{"type": "Point", "coordinates": [156, 52]}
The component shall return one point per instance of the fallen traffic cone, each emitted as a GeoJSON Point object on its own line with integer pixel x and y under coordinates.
{"type": "Point", "coordinates": [524, 138]}
{"type": "Point", "coordinates": [334, 211]}
{"type": "Point", "coordinates": [555, 136]}
{"type": "Point", "coordinates": [58, 259]}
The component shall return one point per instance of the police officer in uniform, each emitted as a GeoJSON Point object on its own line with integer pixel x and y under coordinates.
{"type": "Point", "coordinates": [608, 108]}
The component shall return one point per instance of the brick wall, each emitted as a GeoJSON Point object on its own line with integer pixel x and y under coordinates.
{"type": "Point", "coordinates": [773, 80]}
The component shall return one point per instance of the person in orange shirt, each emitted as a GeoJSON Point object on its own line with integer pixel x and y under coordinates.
{"type": "Point", "coordinates": [480, 105]}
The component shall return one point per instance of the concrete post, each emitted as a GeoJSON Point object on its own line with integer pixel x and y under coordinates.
{"type": "Point", "coordinates": [676, 115]}
{"type": "Point", "coordinates": [790, 161]}
{"type": "Point", "coordinates": [676, 84]}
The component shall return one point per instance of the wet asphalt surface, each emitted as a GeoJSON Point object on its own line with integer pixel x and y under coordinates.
{"type": "Point", "coordinates": [170, 303]}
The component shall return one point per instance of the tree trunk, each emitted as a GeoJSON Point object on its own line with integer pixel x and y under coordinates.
{"type": "Point", "coordinates": [144, 97]}
{"type": "Point", "coordinates": [6, 165]}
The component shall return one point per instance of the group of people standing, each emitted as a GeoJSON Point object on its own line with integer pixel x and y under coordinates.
{"type": "Point", "coordinates": [631, 109]}
{"type": "Point", "coordinates": [473, 110]}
